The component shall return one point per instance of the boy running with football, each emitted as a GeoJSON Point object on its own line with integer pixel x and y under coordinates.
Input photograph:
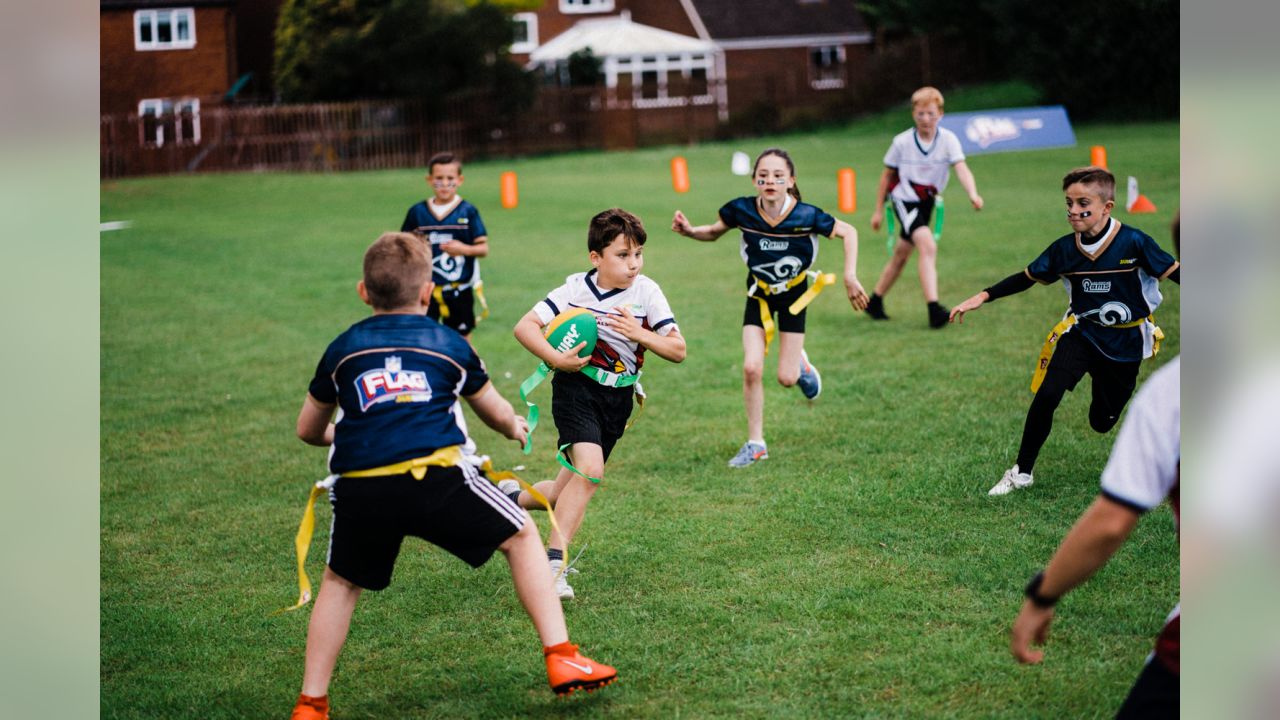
{"type": "Point", "coordinates": [592, 396]}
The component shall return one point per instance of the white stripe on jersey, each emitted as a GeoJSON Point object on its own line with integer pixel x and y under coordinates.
{"type": "Point", "coordinates": [644, 299]}
{"type": "Point", "coordinates": [491, 495]}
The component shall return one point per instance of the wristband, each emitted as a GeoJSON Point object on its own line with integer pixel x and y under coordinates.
{"type": "Point", "coordinates": [1033, 593]}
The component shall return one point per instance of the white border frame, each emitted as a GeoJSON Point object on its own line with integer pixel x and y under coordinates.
{"type": "Point", "coordinates": [530, 20]}
{"type": "Point", "coordinates": [152, 14]}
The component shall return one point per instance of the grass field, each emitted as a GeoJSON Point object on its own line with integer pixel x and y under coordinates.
{"type": "Point", "coordinates": [860, 571]}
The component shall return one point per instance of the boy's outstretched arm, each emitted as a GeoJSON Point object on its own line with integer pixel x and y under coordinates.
{"type": "Point", "coordinates": [496, 412]}
{"type": "Point", "coordinates": [705, 233]}
{"type": "Point", "coordinates": [849, 236]}
{"type": "Point", "coordinates": [1015, 283]}
{"type": "Point", "coordinates": [965, 176]}
{"type": "Point", "coordinates": [529, 332]}
{"type": "Point", "coordinates": [668, 347]}
{"type": "Point", "coordinates": [887, 179]}
{"type": "Point", "coordinates": [314, 427]}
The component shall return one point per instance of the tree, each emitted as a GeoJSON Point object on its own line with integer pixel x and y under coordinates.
{"type": "Point", "coordinates": [1117, 59]}
{"type": "Point", "coordinates": [330, 50]}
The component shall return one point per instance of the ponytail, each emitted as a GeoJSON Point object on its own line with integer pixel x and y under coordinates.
{"type": "Point", "coordinates": [794, 191]}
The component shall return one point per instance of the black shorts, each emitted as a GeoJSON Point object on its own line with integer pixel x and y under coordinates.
{"type": "Point", "coordinates": [1075, 356]}
{"type": "Point", "coordinates": [462, 311]}
{"type": "Point", "coordinates": [779, 305]}
{"type": "Point", "coordinates": [1155, 694]}
{"type": "Point", "coordinates": [912, 215]}
{"type": "Point", "coordinates": [588, 412]}
{"type": "Point", "coordinates": [451, 507]}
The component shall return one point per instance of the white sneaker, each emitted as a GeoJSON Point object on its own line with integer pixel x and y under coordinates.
{"type": "Point", "coordinates": [506, 487]}
{"type": "Point", "coordinates": [563, 590]}
{"type": "Point", "coordinates": [1012, 480]}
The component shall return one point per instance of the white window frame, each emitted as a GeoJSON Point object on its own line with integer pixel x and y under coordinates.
{"type": "Point", "coordinates": [573, 7]}
{"type": "Point", "coordinates": [151, 18]}
{"type": "Point", "coordinates": [168, 118]}
{"type": "Point", "coordinates": [684, 63]}
{"type": "Point", "coordinates": [828, 83]}
{"type": "Point", "coordinates": [530, 21]}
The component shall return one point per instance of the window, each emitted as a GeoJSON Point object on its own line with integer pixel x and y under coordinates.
{"type": "Point", "coordinates": [586, 6]}
{"type": "Point", "coordinates": [526, 32]}
{"type": "Point", "coordinates": [826, 67]}
{"type": "Point", "coordinates": [162, 120]}
{"type": "Point", "coordinates": [169, 29]}
{"type": "Point", "coordinates": [660, 80]}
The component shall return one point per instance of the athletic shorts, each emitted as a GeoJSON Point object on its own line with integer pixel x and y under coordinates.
{"type": "Point", "coordinates": [912, 215]}
{"type": "Point", "coordinates": [779, 305]}
{"type": "Point", "coordinates": [451, 507]}
{"type": "Point", "coordinates": [587, 412]}
{"type": "Point", "coordinates": [462, 311]}
{"type": "Point", "coordinates": [1155, 694]}
{"type": "Point", "coordinates": [1075, 356]}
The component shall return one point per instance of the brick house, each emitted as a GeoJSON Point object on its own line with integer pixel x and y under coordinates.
{"type": "Point", "coordinates": [163, 61]}
{"type": "Point", "coordinates": [772, 52]}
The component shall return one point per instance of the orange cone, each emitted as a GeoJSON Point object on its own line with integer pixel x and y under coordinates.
{"type": "Point", "coordinates": [1098, 156]}
{"type": "Point", "coordinates": [679, 174]}
{"type": "Point", "coordinates": [510, 190]}
{"type": "Point", "coordinates": [1142, 205]}
{"type": "Point", "coordinates": [1136, 202]}
{"type": "Point", "coordinates": [846, 183]}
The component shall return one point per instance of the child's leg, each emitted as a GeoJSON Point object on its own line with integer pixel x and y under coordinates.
{"type": "Point", "coordinates": [753, 380]}
{"type": "Point", "coordinates": [550, 489]}
{"type": "Point", "coordinates": [532, 578]}
{"type": "Point", "coordinates": [1113, 385]}
{"type": "Point", "coordinates": [927, 263]}
{"type": "Point", "coordinates": [901, 253]}
{"type": "Point", "coordinates": [327, 631]}
{"type": "Point", "coordinates": [790, 345]}
{"type": "Point", "coordinates": [571, 504]}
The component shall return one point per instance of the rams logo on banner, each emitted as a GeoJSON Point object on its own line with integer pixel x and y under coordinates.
{"type": "Point", "coordinates": [392, 384]}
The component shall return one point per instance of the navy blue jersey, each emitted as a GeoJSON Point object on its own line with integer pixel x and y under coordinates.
{"type": "Point", "coordinates": [396, 380]}
{"type": "Point", "coordinates": [1114, 284]}
{"type": "Point", "coordinates": [461, 223]}
{"type": "Point", "coordinates": [778, 251]}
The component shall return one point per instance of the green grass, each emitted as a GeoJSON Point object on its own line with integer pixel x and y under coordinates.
{"type": "Point", "coordinates": [861, 571]}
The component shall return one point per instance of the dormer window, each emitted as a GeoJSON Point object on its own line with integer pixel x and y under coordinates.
{"type": "Point", "coordinates": [167, 29]}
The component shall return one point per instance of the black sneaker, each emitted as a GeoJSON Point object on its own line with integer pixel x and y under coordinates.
{"type": "Point", "coordinates": [939, 316]}
{"type": "Point", "coordinates": [875, 308]}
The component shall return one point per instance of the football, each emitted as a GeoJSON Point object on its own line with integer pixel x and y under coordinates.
{"type": "Point", "coordinates": [572, 327]}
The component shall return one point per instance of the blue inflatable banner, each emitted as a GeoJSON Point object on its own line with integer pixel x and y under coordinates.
{"type": "Point", "coordinates": [988, 131]}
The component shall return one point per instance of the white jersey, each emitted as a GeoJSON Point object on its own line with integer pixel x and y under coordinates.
{"type": "Point", "coordinates": [926, 166]}
{"type": "Point", "coordinates": [644, 300]}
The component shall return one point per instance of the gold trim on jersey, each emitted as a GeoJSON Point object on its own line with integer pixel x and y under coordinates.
{"type": "Point", "coordinates": [1106, 243]}
{"type": "Point", "coordinates": [785, 213]}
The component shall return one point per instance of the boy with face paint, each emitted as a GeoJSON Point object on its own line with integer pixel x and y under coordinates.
{"type": "Point", "coordinates": [1111, 273]}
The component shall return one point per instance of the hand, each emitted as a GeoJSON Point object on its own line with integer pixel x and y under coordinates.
{"type": "Point", "coordinates": [877, 218]}
{"type": "Point", "coordinates": [1031, 626]}
{"type": "Point", "coordinates": [624, 323]}
{"type": "Point", "coordinates": [568, 361]}
{"type": "Point", "coordinates": [976, 199]}
{"type": "Point", "coordinates": [681, 224]}
{"type": "Point", "coordinates": [520, 431]}
{"type": "Point", "coordinates": [857, 296]}
{"type": "Point", "coordinates": [973, 303]}
{"type": "Point", "coordinates": [454, 248]}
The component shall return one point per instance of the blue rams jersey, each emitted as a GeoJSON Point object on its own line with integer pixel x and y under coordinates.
{"type": "Point", "coordinates": [396, 380]}
{"type": "Point", "coordinates": [461, 223]}
{"type": "Point", "coordinates": [777, 251]}
{"type": "Point", "coordinates": [1114, 284]}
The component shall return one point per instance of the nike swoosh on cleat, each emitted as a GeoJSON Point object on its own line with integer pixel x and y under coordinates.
{"type": "Point", "coordinates": [584, 668]}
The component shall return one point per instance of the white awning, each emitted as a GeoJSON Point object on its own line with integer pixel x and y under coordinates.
{"type": "Point", "coordinates": [617, 37]}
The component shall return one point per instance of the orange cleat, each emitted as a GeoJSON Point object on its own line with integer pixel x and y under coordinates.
{"type": "Point", "coordinates": [568, 671]}
{"type": "Point", "coordinates": [309, 708]}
